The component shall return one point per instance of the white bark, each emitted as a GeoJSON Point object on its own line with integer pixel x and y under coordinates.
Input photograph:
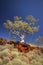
{"type": "Point", "coordinates": [22, 38]}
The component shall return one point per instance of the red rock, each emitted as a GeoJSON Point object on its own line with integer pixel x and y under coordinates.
{"type": "Point", "coordinates": [3, 41]}
{"type": "Point", "coordinates": [22, 47]}
{"type": "Point", "coordinates": [10, 57]}
{"type": "Point", "coordinates": [30, 59]}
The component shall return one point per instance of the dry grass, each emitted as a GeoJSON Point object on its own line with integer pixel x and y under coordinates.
{"type": "Point", "coordinates": [14, 57]}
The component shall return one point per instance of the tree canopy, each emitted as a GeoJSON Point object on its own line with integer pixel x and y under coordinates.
{"type": "Point", "coordinates": [20, 26]}
{"type": "Point", "coordinates": [39, 39]}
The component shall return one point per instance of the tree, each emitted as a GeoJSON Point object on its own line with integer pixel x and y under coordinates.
{"type": "Point", "coordinates": [39, 40]}
{"type": "Point", "coordinates": [21, 28]}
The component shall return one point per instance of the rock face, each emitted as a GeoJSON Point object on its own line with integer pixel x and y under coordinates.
{"type": "Point", "coordinates": [3, 41]}
{"type": "Point", "coordinates": [22, 47]}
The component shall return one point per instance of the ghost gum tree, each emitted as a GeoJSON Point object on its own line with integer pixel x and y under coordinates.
{"type": "Point", "coordinates": [21, 27]}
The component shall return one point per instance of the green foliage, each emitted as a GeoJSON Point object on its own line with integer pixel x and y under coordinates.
{"type": "Point", "coordinates": [5, 60]}
{"type": "Point", "coordinates": [16, 62]}
{"type": "Point", "coordinates": [19, 25]}
{"type": "Point", "coordinates": [39, 40]}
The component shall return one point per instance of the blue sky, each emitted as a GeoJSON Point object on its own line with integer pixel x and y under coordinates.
{"type": "Point", "coordinates": [11, 8]}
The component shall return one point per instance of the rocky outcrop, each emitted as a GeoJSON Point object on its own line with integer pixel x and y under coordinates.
{"type": "Point", "coordinates": [3, 41]}
{"type": "Point", "coordinates": [22, 47]}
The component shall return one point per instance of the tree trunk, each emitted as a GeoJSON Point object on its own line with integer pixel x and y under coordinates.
{"type": "Point", "coordinates": [22, 38]}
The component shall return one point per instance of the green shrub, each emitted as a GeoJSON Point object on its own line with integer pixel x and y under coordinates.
{"type": "Point", "coordinates": [16, 62]}
{"type": "Point", "coordinates": [5, 60]}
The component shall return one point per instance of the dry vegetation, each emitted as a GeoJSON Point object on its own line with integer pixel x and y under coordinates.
{"type": "Point", "coordinates": [14, 54]}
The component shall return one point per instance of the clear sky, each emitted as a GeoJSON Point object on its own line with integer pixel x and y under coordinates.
{"type": "Point", "coordinates": [11, 8]}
